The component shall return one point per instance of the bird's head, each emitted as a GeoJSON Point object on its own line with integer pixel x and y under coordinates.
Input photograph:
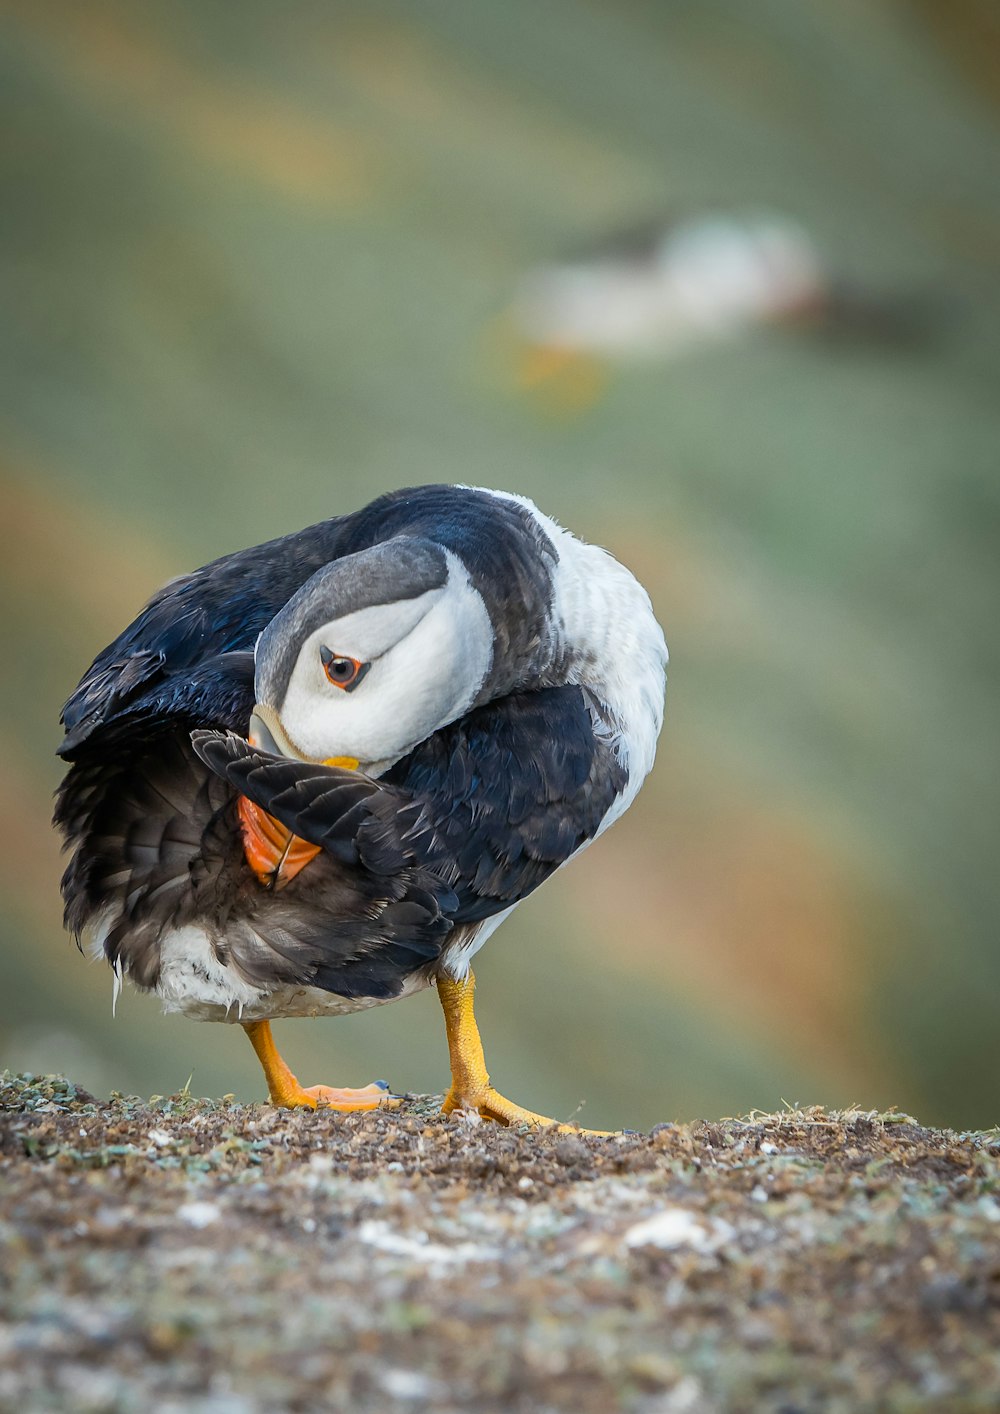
{"type": "Point", "coordinates": [374, 653]}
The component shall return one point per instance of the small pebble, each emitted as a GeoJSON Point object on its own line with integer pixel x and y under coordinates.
{"type": "Point", "coordinates": [199, 1214]}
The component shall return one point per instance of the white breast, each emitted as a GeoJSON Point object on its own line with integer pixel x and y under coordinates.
{"type": "Point", "coordinates": [613, 645]}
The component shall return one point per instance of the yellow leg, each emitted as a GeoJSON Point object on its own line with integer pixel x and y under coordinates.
{"type": "Point", "coordinates": [470, 1082]}
{"type": "Point", "coordinates": [566, 380]}
{"type": "Point", "coordinates": [286, 1091]}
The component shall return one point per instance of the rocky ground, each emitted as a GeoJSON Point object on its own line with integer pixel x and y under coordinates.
{"type": "Point", "coordinates": [196, 1255]}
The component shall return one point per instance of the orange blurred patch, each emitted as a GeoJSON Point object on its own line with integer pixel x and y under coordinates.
{"type": "Point", "coordinates": [558, 381]}
{"type": "Point", "coordinates": [747, 914]}
{"type": "Point", "coordinates": [231, 123]}
{"type": "Point", "coordinates": [30, 866]}
{"type": "Point", "coordinates": [60, 553]}
{"type": "Point", "coordinates": [562, 379]}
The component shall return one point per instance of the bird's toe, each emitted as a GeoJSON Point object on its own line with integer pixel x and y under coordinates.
{"type": "Point", "coordinates": [375, 1096]}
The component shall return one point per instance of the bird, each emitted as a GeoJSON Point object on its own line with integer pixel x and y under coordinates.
{"type": "Point", "coordinates": [315, 775]}
{"type": "Point", "coordinates": [661, 290]}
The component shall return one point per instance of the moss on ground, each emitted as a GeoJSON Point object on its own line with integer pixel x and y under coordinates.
{"type": "Point", "coordinates": [201, 1255]}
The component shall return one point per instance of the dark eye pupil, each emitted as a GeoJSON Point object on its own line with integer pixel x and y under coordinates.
{"type": "Point", "coordinates": [342, 671]}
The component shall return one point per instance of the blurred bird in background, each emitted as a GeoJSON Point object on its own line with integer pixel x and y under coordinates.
{"type": "Point", "coordinates": [664, 290]}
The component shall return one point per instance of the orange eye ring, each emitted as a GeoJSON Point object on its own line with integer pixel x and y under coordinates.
{"type": "Point", "coordinates": [342, 671]}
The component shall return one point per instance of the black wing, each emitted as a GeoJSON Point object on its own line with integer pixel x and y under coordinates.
{"type": "Point", "coordinates": [151, 669]}
{"type": "Point", "coordinates": [157, 846]}
{"type": "Point", "coordinates": [490, 805]}
{"type": "Point", "coordinates": [164, 664]}
{"type": "Point", "coordinates": [153, 835]}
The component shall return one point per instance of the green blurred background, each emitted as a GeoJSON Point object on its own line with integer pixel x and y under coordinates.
{"type": "Point", "coordinates": [254, 264]}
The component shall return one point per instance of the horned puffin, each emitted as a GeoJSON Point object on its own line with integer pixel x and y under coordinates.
{"type": "Point", "coordinates": [316, 775]}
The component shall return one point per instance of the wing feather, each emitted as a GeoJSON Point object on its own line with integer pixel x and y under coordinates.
{"type": "Point", "coordinates": [490, 806]}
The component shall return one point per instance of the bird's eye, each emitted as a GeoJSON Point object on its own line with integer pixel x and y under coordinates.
{"type": "Point", "coordinates": [341, 671]}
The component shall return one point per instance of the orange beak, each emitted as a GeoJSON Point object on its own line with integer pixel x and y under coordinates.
{"type": "Point", "coordinates": [274, 854]}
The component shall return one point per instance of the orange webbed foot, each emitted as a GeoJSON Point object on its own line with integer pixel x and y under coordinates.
{"type": "Point", "coordinates": [471, 1090]}
{"type": "Point", "coordinates": [490, 1104]}
{"type": "Point", "coordinates": [376, 1096]}
{"type": "Point", "coordinates": [286, 1092]}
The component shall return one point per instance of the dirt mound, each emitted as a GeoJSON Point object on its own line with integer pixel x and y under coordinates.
{"type": "Point", "coordinates": [203, 1255]}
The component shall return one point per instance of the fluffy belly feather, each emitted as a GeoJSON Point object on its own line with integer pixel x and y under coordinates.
{"type": "Point", "coordinates": [193, 981]}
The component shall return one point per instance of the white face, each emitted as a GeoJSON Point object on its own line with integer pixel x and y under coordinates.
{"type": "Point", "coordinates": [424, 659]}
